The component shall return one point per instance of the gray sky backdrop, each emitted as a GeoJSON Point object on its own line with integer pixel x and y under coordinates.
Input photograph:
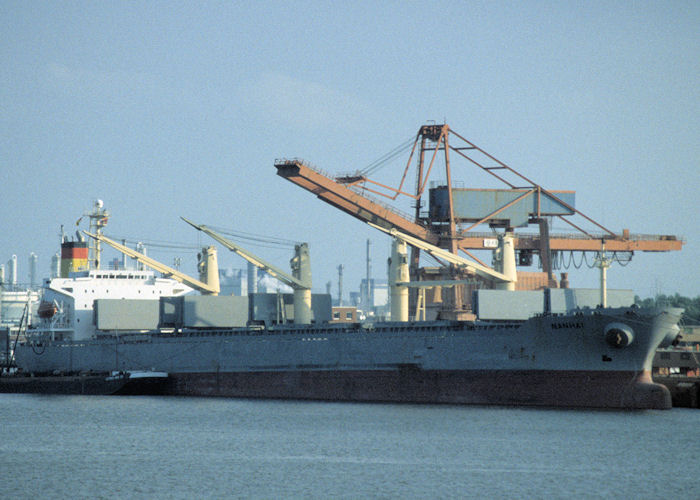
{"type": "Point", "coordinates": [165, 109]}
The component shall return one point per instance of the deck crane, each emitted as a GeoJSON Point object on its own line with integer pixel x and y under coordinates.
{"type": "Point", "coordinates": [299, 281]}
{"type": "Point", "coordinates": [505, 278]}
{"type": "Point", "coordinates": [400, 282]}
{"type": "Point", "coordinates": [208, 267]}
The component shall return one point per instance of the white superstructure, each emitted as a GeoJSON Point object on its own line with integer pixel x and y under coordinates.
{"type": "Point", "coordinates": [67, 307]}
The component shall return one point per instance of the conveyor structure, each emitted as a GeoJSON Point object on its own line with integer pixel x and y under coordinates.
{"type": "Point", "coordinates": [454, 214]}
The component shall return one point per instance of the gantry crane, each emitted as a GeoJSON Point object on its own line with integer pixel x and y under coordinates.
{"type": "Point", "coordinates": [349, 194]}
{"type": "Point", "coordinates": [453, 213]}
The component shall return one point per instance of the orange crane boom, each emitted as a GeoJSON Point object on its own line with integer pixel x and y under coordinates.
{"type": "Point", "coordinates": [367, 209]}
{"type": "Point", "coordinates": [453, 213]}
{"type": "Point", "coordinates": [349, 201]}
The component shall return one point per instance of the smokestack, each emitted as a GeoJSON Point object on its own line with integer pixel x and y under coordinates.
{"type": "Point", "coordinates": [56, 265]}
{"type": "Point", "coordinates": [340, 284]}
{"type": "Point", "coordinates": [369, 260]}
{"type": "Point", "coordinates": [13, 270]}
{"type": "Point", "coordinates": [32, 270]}
{"type": "Point", "coordinates": [74, 257]}
{"type": "Point", "coordinates": [125, 258]}
{"type": "Point", "coordinates": [368, 292]}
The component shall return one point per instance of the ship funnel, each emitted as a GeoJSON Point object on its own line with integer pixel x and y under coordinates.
{"type": "Point", "coordinates": [74, 257]}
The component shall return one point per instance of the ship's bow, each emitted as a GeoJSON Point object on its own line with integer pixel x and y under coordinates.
{"type": "Point", "coordinates": [644, 393]}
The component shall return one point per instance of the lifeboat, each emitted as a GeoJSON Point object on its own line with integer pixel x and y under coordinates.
{"type": "Point", "coordinates": [47, 310]}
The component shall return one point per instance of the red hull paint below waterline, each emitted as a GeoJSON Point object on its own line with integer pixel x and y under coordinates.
{"type": "Point", "coordinates": [570, 389]}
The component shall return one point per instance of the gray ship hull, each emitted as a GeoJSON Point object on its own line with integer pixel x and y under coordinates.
{"type": "Point", "coordinates": [546, 360]}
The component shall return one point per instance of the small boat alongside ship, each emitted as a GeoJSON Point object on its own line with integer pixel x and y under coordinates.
{"type": "Point", "coordinates": [86, 383]}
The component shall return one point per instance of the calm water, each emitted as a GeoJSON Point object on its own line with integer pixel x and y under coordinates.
{"type": "Point", "coordinates": [145, 447]}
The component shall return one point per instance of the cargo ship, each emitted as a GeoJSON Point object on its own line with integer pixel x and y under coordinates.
{"type": "Point", "coordinates": [493, 342]}
{"type": "Point", "coordinates": [200, 345]}
{"type": "Point", "coordinates": [598, 358]}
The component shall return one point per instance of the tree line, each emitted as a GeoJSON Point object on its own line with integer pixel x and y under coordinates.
{"type": "Point", "coordinates": [691, 316]}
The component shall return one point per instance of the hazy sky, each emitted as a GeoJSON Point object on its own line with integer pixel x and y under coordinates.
{"type": "Point", "coordinates": [169, 109]}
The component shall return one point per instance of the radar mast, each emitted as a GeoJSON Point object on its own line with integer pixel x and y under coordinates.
{"type": "Point", "coordinates": [98, 220]}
